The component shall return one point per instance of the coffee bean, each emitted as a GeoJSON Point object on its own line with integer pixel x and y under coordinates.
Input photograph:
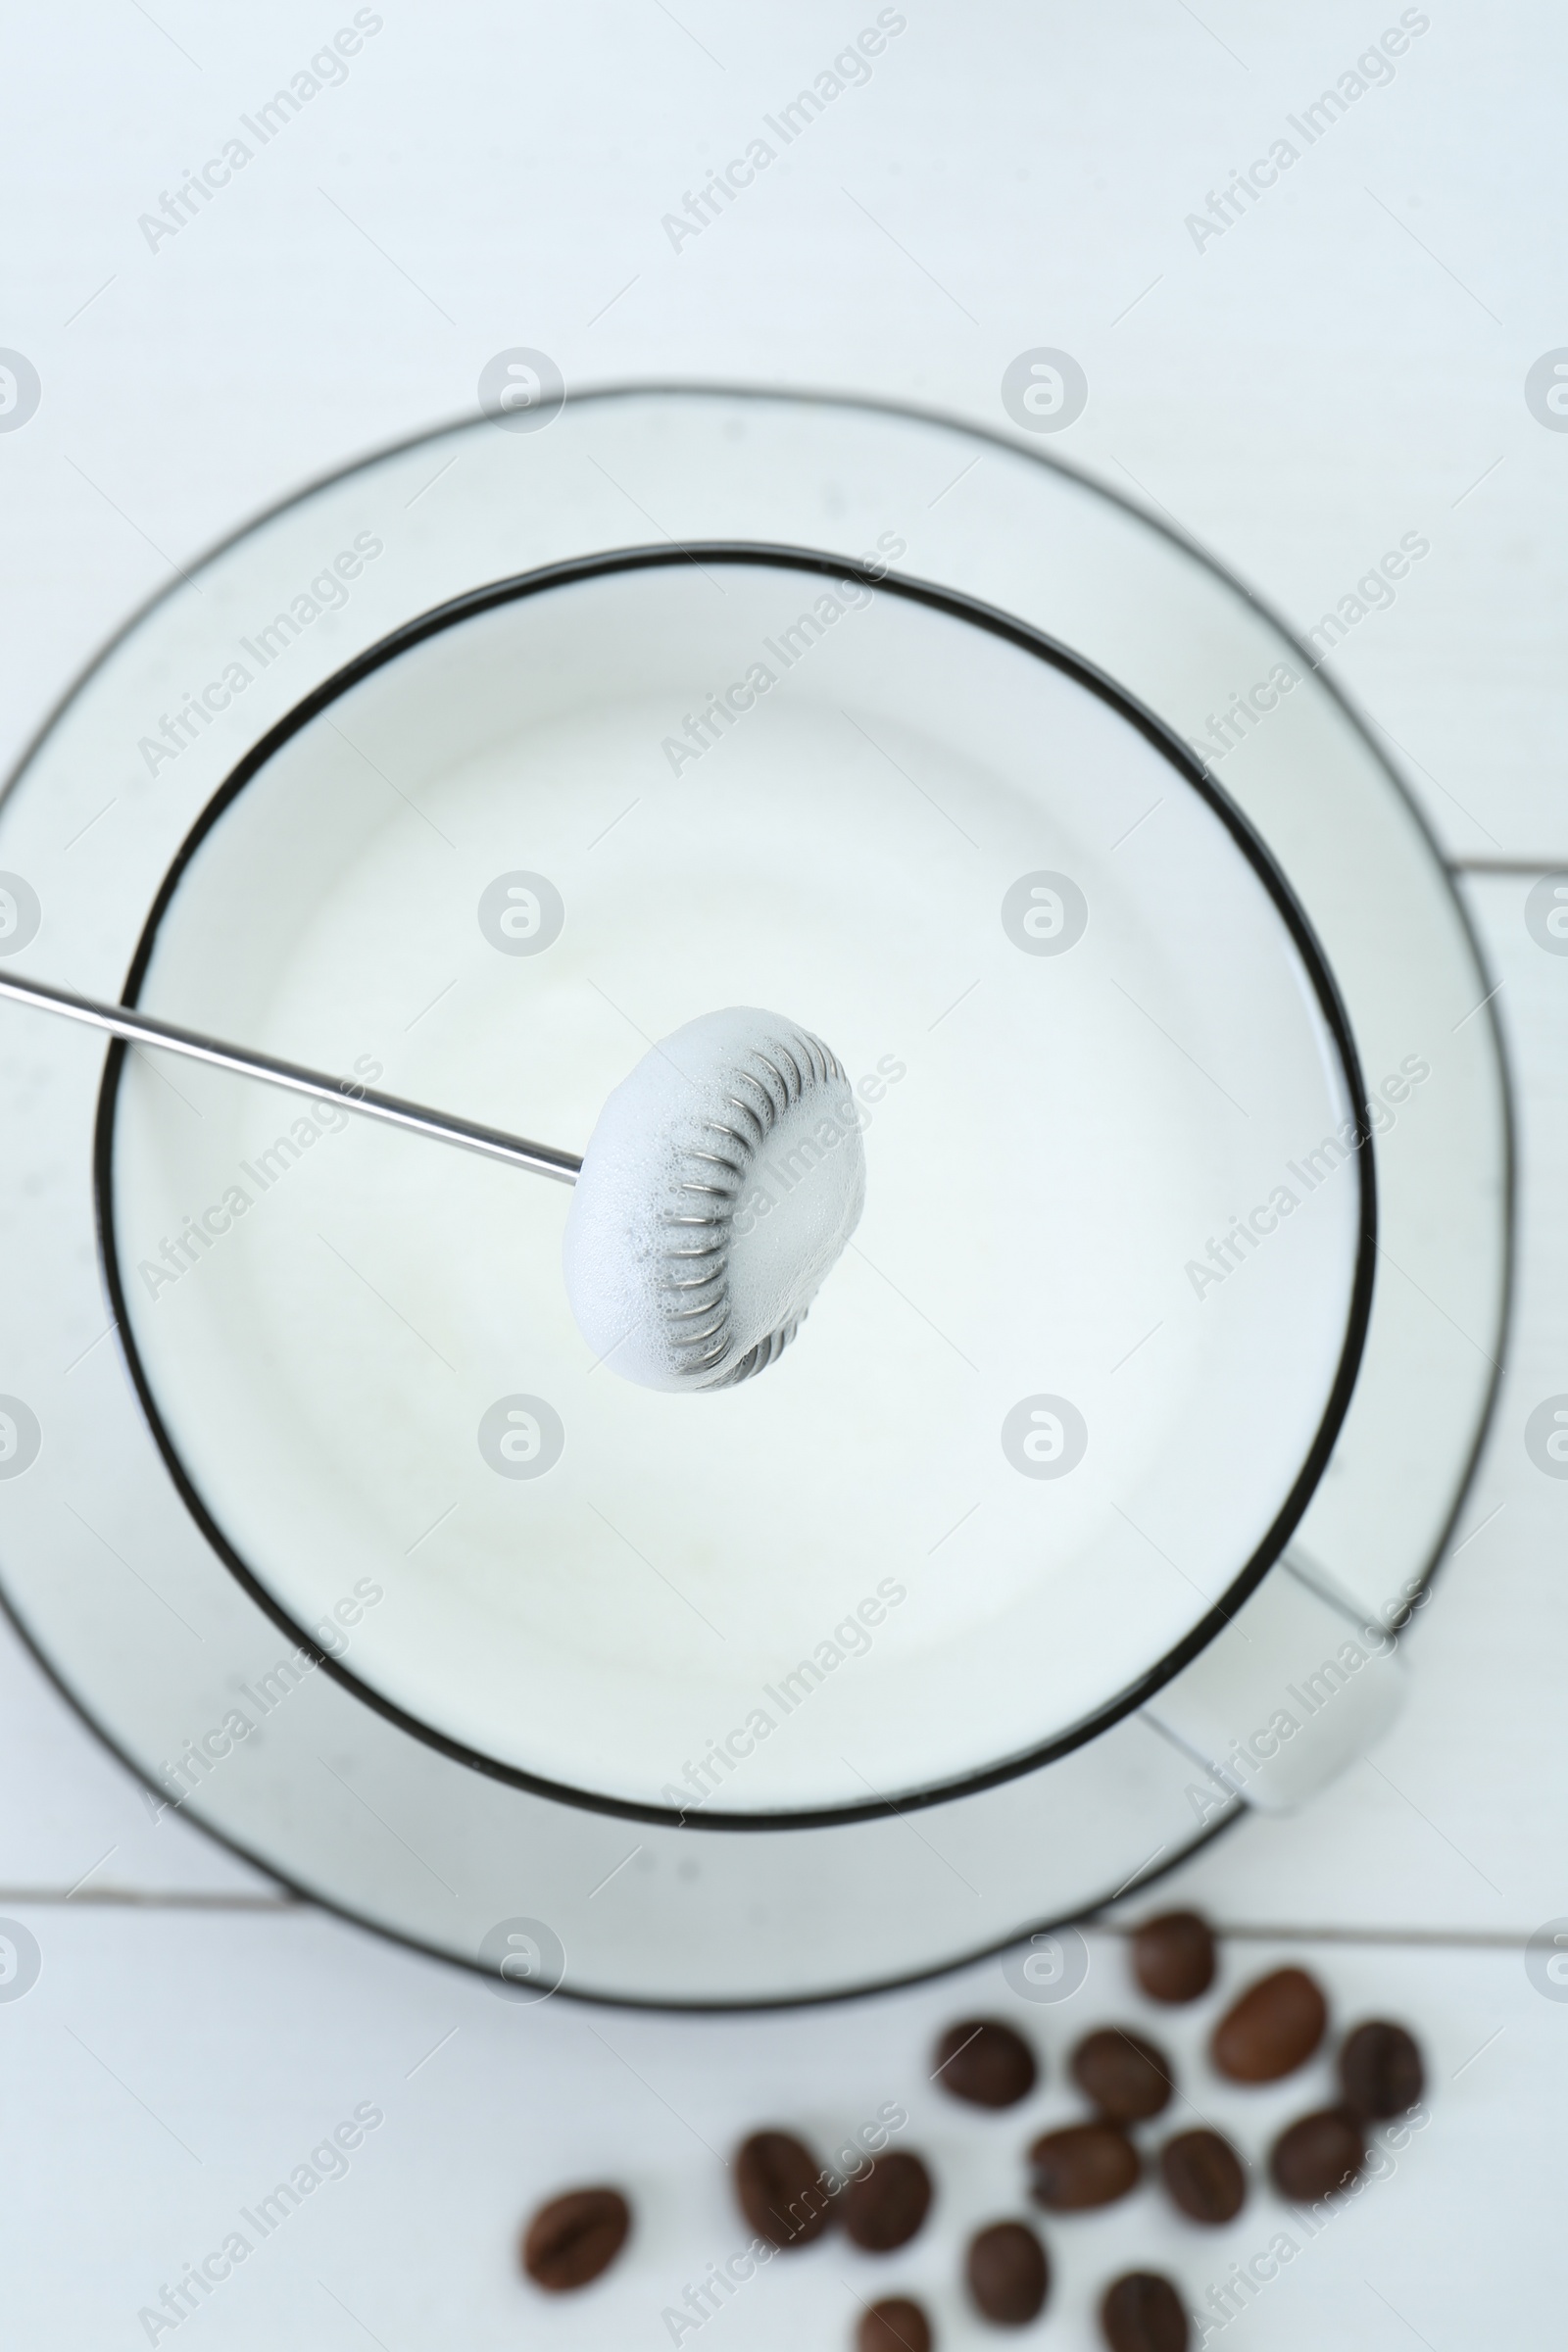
{"type": "Point", "coordinates": [1273, 2029]}
{"type": "Point", "coordinates": [1007, 2272]}
{"type": "Point", "coordinates": [1173, 1956]}
{"type": "Point", "coordinates": [781, 2191]}
{"type": "Point", "coordinates": [886, 2206]}
{"type": "Point", "coordinates": [1082, 2166]}
{"type": "Point", "coordinates": [986, 2063]}
{"type": "Point", "coordinates": [1126, 2077]}
{"type": "Point", "coordinates": [896, 2326]}
{"type": "Point", "coordinates": [1204, 2176]}
{"type": "Point", "coordinates": [1380, 2071]}
{"type": "Point", "coordinates": [1143, 2313]}
{"type": "Point", "coordinates": [574, 2238]}
{"type": "Point", "coordinates": [1318, 2155]}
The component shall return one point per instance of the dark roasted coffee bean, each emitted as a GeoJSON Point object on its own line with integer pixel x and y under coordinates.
{"type": "Point", "coordinates": [1173, 1956]}
{"type": "Point", "coordinates": [1203, 2174]}
{"type": "Point", "coordinates": [574, 2238]}
{"type": "Point", "coordinates": [1318, 2155]}
{"type": "Point", "coordinates": [781, 2190]}
{"type": "Point", "coordinates": [886, 2206]}
{"type": "Point", "coordinates": [986, 2063]}
{"type": "Point", "coordinates": [1007, 2272]}
{"type": "Point", "coordinates": [1127, 2078]}
{"type": "Point", "coordinates": [896, 2326]}
{"type": "Point", "coordinates": [1143, 2313]}
{"type": "Point", "coordinates": [1273, 2029]}
{"type": "Point", "coordinates": [1380, 2071]}
{"type": "Point", "coordinates": [1085, 2165]}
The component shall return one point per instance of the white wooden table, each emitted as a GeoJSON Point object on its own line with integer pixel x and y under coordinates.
{"type": "Point", "coordinates": [1345, 364]}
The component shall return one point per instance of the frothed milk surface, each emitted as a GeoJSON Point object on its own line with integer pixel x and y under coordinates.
{"type": "Point", "coordinates": [835, 1579]}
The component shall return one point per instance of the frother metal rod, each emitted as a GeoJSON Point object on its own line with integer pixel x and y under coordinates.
{"type": "Point", "coordinates": [141, 1029]}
